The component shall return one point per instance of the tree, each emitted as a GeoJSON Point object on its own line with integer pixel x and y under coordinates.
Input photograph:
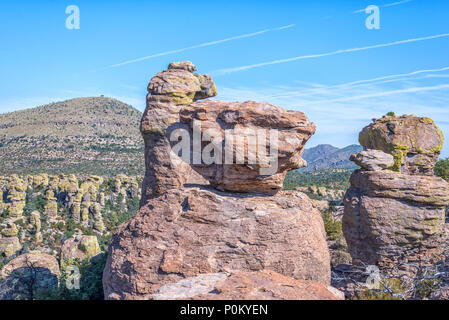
{"type": "Point", "coordinates": [391, 114]}
{"type": "Point", "coordinates": [442, 169]}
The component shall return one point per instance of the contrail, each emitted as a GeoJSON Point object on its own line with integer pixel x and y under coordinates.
{"type": "Point", "coordinates": [206, 44]}
{"type": "Point", "coordinates": [386, 5]}
{"type": "Point", "coordinates": [356, 83]}
{"type": "Point", "coordinates": [382, 94]}
{"type": "Point", "coordinates": [389, 44]}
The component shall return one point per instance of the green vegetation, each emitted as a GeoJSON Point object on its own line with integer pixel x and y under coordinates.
{"type": "Point", "coordinates": [335, 179]}
{"type": "Point", "coordinates": [426, 287]}
{"type": "Point", "coordinates": [91, 286]}
{"type": "Point", "coordinates": [442, 169]}
{"type": "Point", "coordinates": [391, 114]}
{"type": "Point", "coordinates": [332, 226]}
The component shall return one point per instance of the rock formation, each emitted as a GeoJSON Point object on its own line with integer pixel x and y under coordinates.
{"type": "Point", "coordinates": [414, 142]}
{"type": "Point", "coordinates": [40, 269]}
{"type": "Point", "coordinates": [241, 285]}
{"type": "Point", "coordinates": [168, 91]}
{"type": "Point", "coordinates": [80, 247]}
{"type": "Point", "coordinates": [244, 130]}
{"type": "Point", "coordinates": [373, 160]}
{"type": "Point", "coordinates": [392, 219]}
{"type": "Point", "coordinates": [182, 232]}
{"type": "Point", "coordinates": [9, 242]}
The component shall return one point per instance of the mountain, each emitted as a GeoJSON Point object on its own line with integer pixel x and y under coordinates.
{"type": "Point", "coordinates": [325, 156]}
{"type": "Point", "coordinates": [95, 135]}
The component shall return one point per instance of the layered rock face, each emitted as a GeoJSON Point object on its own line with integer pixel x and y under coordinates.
{"type": "Point", "coordinates": [243, 146]}
{"type": "Point", "coordinates": [392, 219]}
{"type": "Point", "coordinates": [168, 91]}
{"type": "Point", "coordinates": [190, 231]}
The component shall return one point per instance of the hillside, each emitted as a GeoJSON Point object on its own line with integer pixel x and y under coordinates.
{"type": "Point", "coordinates": [325, 156]}
{"type": "Point", "coordinates": [94, 135]}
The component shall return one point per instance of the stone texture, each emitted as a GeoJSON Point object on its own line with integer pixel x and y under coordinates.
{"type": "Point", "coordinates": [9, 246]}
{"type": "Point", "coordinates": [231, 122]}
{"type": "Point", "coordinates": [414, 142]}
{"type": "Point", "coordinates": [168, 91]}
{"type": "Point", "coordinates": [193, 231]}
{"type": "Point", "coordinates": [373, 160]}
{"type": "Point", "coordinates": [242, 285]}
{"type": "Point", "coordinates": [42, 268]}
{"type": "Point", "coordinates": [80, 248]}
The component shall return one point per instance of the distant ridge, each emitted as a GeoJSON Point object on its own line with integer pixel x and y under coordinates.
{"type": "Point", "coordinates": [95, 135]}
{"type": "Point", "coordinates": [325, 156]}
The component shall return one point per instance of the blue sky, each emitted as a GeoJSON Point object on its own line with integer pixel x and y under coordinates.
{"type": "Point", "coordinates": [314, 56]}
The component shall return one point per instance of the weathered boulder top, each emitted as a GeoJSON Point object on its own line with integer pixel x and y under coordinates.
{"type": "Point", "coordinates": [255, 121]}
{"type": "Point", "coordinates": [180, 85]}
{"type": "Point", "coordinates": [415, 142]}
{"type": "Point", "coordinates": [33, 259]}
{"type": "Point", "coordinates": [243, 285]}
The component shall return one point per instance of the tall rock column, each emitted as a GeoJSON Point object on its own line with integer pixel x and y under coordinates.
{"type": "Point", "coordinates": [168, 91]}
{"type": "Point", "coordinates": [240, 222]}
{"type": "Point", "coordinates": [395, 208]}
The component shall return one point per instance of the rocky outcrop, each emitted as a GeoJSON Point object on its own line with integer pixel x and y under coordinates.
{"type": "Point", "coordinates": [193, 231]}
{"type": "Point", "coordinates": [187, 230]}
{"type": "Point", "coordinates": [373, 160]}
{"type": "Point", "coordinates": [168, 91]}
{"type": "Point", "coordinates": [393, 219]}
{"type": "Point", "coordinates": [241, 285]}
{"type": "Point", "coordinates": [247, 157]}
{"type": "Point", "coordinates": [36, 268]}
{"type": "Point", "coordinates": [414, 142]}
{"type": "Point", "coordinates": [81, 247]}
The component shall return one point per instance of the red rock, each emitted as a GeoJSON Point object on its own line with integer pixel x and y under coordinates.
{"type": "Point", "coordinates": [184, 233]}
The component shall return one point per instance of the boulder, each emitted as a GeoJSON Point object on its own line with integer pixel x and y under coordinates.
{"type": "Point", "coordinates": [244, 285]}
{"type": "Point", "coordinates": [373, 160]}
{"type": "Point", "coordinates": [80, 248]}
{"type": "Point", "coordinates": [242, 144]}
{"type": "Point", "coordinates": [414, 142]}
{"type": "Point", "coordinates": [35, 267]}
{"type": "Point", "coordinates": [392, 218]}
{"type": "Point", "coordinates": [168, 91]}
{"type": "Point", "coordinates": [9, 246]}
{"type": "Point", "coordinates": [192, 231]}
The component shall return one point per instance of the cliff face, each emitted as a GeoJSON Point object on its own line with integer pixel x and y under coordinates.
{"type": "Point", "coordinates": [395, 208]}
{"type": "Point", "coordinates": [186, 232]}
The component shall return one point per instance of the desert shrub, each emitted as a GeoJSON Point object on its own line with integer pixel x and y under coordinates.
{"type": "Point", "coordinates": [332, 226]}
{"type": "Point", "coordinates": [391, 114]}
{"type": "Point", "coordinates": [389, 289]}
{"type": "Point", "coordinates": [426, 287]}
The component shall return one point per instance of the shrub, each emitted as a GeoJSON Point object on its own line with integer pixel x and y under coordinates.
{"type": "Point", "coordinates": [442, 169]}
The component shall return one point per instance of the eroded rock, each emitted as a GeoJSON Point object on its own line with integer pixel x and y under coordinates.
{"type": "Point", "coordinates": [184, 233]}
{"type": "Point", "coordinates": [373, 160]}
{"type": "Point", "coordinates": [242, 143]}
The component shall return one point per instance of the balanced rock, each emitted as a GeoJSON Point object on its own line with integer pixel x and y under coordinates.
{"type": "Point", "coordinates": [192, 231]}
{"type": "Point", "coordinates": [243, 285]}
{"type": "Point", "coordinates": [247, 157]}
{"type": "Point", "coordinates": [414, 142]}
{"type": "Point", "coordinates": [373, 160]}
{"type": "Point", "coordinates": [168, 91]}
{"type": "Point", "coordinates": [397, 219]}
